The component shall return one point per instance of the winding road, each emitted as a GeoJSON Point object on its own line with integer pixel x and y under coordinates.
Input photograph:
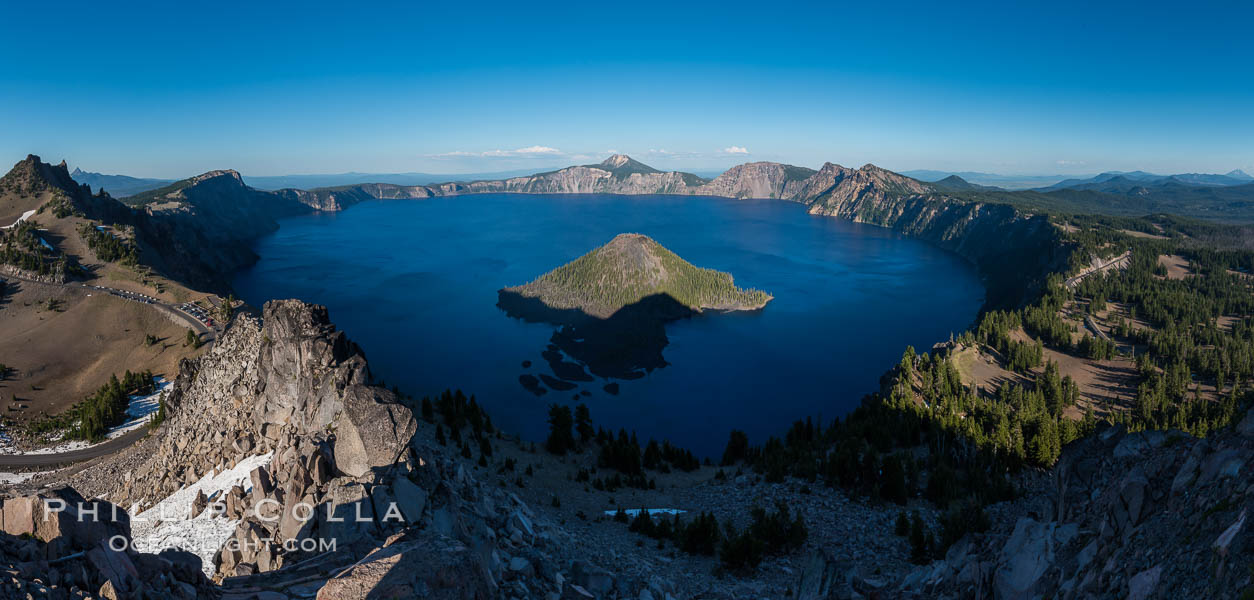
{"type": "Point", "coordinates": [172, 309]}
{"type": "Point", "coordinates": [1118, 262]}
{"type": "Point", "coordinates": [25, 461]}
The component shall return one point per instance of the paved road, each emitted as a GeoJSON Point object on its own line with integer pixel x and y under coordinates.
{"type": "Point", "coordinates": [64, 458]}
{"type": "Point", "coordinates": [1092, 325]}
{"type": "Point", "coordinates": [122, 441]}
{"type": "Point", "coordinates": [1118, 262]}
{"type": "Point", "coordinates": [208, 333]}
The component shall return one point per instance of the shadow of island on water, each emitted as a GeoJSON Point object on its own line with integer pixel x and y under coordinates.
{"type": "Point", "coordinates": [626, 346]}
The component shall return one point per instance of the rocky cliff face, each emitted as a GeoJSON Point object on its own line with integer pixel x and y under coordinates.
{"type": "Point", "coordinates": [618, 174]}
{"type": "Point", "coordinates": [293, 388]}
{"type": "Point", "coordinates": [291, 376]}
{"type": "Point", "coordinates": [1155, 514]}
{"type": "Point", "coordinates": [1014, 252]}
{"type": "Point", "coordinates": [758, 180]}
{"type": "Point", "coordinates": [200, 230]}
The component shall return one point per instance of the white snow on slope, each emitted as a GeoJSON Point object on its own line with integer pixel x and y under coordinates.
{"type": "Point", "coordinates": [167, 523]}
{"type": "Point", "coordinates": [137, 412]}
{"type": "Point", "coordinates": [16, 478]}
{"type": "Point", "coordinates": [26, 215]}
{"type": "Point", "coordinates": [632, 512]}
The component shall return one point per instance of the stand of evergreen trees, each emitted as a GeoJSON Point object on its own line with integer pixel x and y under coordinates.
{"type": "Point", "coordinates": [107, 406]}
{"type": "Point", "coordinates": [107, 247]}
{"type": "Point", "coordinates": [21, 248]}
{"type": "Point", "coordinates": [621, 453]}
{"type": "Point", "coordinates": [767, 534]}
{"type": "Point", "coordinates": [457, 412]}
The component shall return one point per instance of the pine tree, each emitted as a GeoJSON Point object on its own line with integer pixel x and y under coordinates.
{"type": "Point", "coordinates": [583, 423]}
{"type": "Point", "coordinates": [560, 439]}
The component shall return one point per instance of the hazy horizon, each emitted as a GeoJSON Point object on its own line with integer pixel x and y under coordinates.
{"type": "Point", "coordinates": [541, 167]}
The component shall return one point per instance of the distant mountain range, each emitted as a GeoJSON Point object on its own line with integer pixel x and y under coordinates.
{"type": "Point", "coordinates": [278, 182]}
{"type": "Point", "coordinates": [1006, 182]}
{"type": "Point", "coordinates": [124, 186]}
{"type": "Point", "coordinates": [1048, 183]}
{"type": "Point", "coordinates": [1121, 182]}
{"type": "Point", "coordinates": [118, 186]}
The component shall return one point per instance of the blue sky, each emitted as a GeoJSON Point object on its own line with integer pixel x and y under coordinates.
{"type": "Point", "coordinates": [172, 89]}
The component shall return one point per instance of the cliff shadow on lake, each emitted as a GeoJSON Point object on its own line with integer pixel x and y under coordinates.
{"type": "Point", "coordinates": [627, 345]}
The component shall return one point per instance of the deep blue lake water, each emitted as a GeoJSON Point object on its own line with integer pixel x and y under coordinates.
{"type": "Point", "coordinates": [415, 282]}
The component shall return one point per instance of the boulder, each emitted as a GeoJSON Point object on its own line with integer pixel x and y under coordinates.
{"type": "Point", "coordinates": [595, 580]}
{"type": "Point", "coordinates": [115, 567]}
{"type": "Point", "coordinates": [1142, 585]}
{"type": "Point", "coordinates": [1246, 426]}
{"type": "Point", "coordinates": [199, 504]}
{"type": "Point", "coordinates": [1024, 560]}
{"type": "Point", "coordinates": [1224, 541]}
{"type": "Point", "coordinates": [1185, 476]}
{"type": "Point", "coordinates": [820, 578]}
{"type": "Point", "coordinates": [65, 520]}
{"type": "Point", "coordinates": [344, 503]}
{"type": "Point", "coordinates": [1131, 506]}
{"type": "Point", "coordinates": [410, 498]}
{"type": "Point", "coordinates": [372, 431]}
{"type": "Point", "coordinates": [1225, 463]}
{"type": "Point", "coordinates": [319, 469]}
{"type": "Point", "coordinates": [424, 565]}
{"type": "Point", "coordinates": [262, 484]}
{"type": "Point", "coordinates": [185, 566]}
{"type": "Point", "coordinates": [1137, 444]}
{"type": "Point", "coordinates": [19, 515]}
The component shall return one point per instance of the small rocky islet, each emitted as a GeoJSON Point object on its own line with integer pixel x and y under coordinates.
{"type": "Point", "coordinates": [630, 268]}
{"type": "Point", "coordinates": [612, 304]}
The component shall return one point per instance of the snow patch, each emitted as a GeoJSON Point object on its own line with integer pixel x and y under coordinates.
{"type": "Point", "coordinates": [167, 524]}
{"type": "Point", "coordinates": [26, 215]}
{"type": "Point", "coordinates": [16, 478]}
{"type": "Point", "coordinates": [138, 412]}
{"type": "Point", "coordinates": [632, 512]}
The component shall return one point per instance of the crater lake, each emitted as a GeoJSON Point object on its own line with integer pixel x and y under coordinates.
{"type": "Point", "coordinates": [414, 283]}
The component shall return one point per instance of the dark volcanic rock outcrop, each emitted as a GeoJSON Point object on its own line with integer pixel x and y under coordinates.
{"type": "Point", "coordinates": [201, 229]}
{"type": "Point", "coordinates": [1153, 514]}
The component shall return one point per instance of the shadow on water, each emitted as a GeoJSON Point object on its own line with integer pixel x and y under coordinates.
{"type": "Point", "coordinates": [627, 345]}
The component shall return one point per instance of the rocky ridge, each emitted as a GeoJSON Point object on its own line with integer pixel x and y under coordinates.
{"type": "Point", "coordinates": [290, 385]}
{"type": "Point", "coordinates": [210, 220]}
{"type": "Point", "coordinates": [1013, 250]}
{"type": "Point", "coordinates": [1154, 514]}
